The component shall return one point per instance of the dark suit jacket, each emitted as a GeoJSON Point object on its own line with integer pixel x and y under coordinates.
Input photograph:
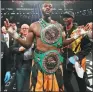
{"type": "Point", "coordinates": [5, 61]}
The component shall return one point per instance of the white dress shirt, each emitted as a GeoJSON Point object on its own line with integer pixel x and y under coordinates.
{"type": "Point", "coordinates": [6, 37]}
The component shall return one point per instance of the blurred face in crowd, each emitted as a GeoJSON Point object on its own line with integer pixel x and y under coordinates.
{"type": "Point", "coordinates": [47, 9]}
{"type": "Point", "coordinates": [68, 20]}
{"type": "Point", "coordinates": [24, 29]}
{"type": "Point", "coordinates": [4, 29]}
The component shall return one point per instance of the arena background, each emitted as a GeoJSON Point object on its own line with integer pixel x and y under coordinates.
{"type": "Point", "coordinates": [20, 12]}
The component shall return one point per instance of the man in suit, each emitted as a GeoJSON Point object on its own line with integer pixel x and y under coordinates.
{"type": "Point", "coordinates": [23, 60]}
{"type": "Point", "coordinates": [5, 65]}
{"type": "Point", "coordinates": [6, 56]}
{"type": "Point", "coordinates": [8, 39]}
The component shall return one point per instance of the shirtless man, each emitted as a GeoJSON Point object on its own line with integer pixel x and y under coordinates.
{"type": "Point", "coordinates": [47, 45]}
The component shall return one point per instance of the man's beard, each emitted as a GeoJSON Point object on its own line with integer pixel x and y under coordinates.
{"type": "Point", "coordinates": [46, 14]}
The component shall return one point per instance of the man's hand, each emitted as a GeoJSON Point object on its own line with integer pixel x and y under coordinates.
{"type": "Point", "coordinates": [11, 29]}
{"type": "Point", "coordinates": [78, 32]}
{"type": "Point", "coordinates": [82, 31]}
{"type": "Point", "coordinates": [89, 26]}
{"type": "Point", "coordinates": [21, 48]}
{"type": "Point", "coordinates": [7, 76]}
{"type": "Point", "coordinates": [89, 29]}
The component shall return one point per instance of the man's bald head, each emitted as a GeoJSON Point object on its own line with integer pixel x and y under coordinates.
{"type": "Point", "coordinates": [47, 2]}
{"type": "Point", "coordinates": [24, 29]}
{"type": "Point", "coordinates": [25, 26]}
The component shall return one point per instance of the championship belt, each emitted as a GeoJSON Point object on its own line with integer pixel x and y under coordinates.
{"type": "Point", "coordinates": [48, 61]}
{"type": "Point", "coordinates": [51, 34]}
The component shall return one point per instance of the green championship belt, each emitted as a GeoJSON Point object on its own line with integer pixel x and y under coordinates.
{"type": "Point", "coordinates": [49, 61]}
{"type": "Point", "coordinates": [51, 34]}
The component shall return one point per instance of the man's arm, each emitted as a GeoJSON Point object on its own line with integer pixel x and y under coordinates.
{"type": "Point", "coordinates": [29, 39]}
{"type": "Point", "coordinates": [80, 31]}
{"type": "Point", "coordinates": [74, 37]}
{"type": "Point", "coordinates": [65, 41]}
{"type": "Point", "coordinates": [12, 31]}
{"type": "Point", "coordinates": [68, 40]}
{"type": "Point", "coordinates": [86, 47]}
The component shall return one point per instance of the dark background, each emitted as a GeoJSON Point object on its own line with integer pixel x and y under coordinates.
{"type": "Point", "coordinates": [29, 11]}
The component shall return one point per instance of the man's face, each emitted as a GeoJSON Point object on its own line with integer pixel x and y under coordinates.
{"type": "Point", "coordinates": [68, 20]}
{"type": "Point", "coordinates": [4, 29]}
{"type": "Point", "coordinates": [47, 9]}
{"type": "Point", "coordinates": [24, 29]}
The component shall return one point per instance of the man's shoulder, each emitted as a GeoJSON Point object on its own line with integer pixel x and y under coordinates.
{"type": "Point", "coordinates": [34, 24]}
{"type": "Point", "coordinates": [56, 22]}
{"type": "Point", "coordinates": [53, 21]}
